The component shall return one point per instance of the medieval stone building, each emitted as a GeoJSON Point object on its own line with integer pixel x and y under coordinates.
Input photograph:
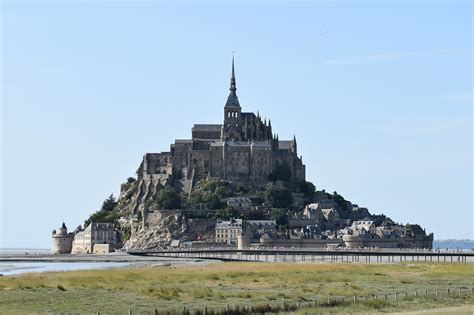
{"type": "Point", "coordinates": [242, 149]}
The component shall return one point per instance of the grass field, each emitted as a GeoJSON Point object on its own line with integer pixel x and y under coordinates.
{"type": "Point", "coordinates": [215, 285]}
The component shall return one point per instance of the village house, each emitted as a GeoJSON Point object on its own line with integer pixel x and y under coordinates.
{"type": "Point", "coordinates": [228, 231]}
{"type": "Point", "coordinates": [96, 238]}
{"type": "Point", "coordinates": [363, 227]}
{"type": "Point", "coordinates": [239, 203]}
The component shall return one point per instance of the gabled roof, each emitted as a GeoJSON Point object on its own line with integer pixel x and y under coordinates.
{"type": "Point", "coordinates": [207, 127]}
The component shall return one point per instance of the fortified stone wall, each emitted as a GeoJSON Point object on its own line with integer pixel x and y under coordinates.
{"type": "Point", "coordinates": [364, 241]}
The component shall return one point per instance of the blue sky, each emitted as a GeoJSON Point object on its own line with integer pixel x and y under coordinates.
{"type": "Point", "coordinates": [378, 95]}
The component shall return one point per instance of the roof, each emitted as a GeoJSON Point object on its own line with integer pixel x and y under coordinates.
{"type": "Point", "coordinates": [220, 143]}
{"type": "Point", "coordinates": [183, 141]}
{"type": "Point", "coordinates": [261, 222]}
{"type": "Point", "coordinates": [207, 127]}
{"type": "Point", "coordinates": [285, 144]}
{"type": "Point", "coordinates": [100, 226]}
{"type": "Point", "coordinates": [248, 116]}
{"type": "Point", "coordinates": [231, 223]}
{"type": "Point", "coordinates": [416, 229]}
{"type": "Point", "coordinates": [232, 101]}
{"type": "Point", "coordinates": [239, 199]}
{"type": "Point", "coordinates": [358, 225]}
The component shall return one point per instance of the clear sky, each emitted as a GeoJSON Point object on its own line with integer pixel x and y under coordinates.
{"type": "Point", "coordinates": [378, 95]}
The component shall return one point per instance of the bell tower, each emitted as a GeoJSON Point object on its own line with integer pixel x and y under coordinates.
{"type": "Point", "coordinates": [232, 127]}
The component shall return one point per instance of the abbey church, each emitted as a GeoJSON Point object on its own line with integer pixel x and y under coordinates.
{"type": "Point", "coordinates": [242, 149]}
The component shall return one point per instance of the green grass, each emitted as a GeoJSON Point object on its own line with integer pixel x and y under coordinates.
{"type": "Point", "coordinates": [215, 285]}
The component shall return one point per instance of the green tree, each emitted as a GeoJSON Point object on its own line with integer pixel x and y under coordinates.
{"type": "Point", "coordinates": [307, 188]}
{"type": "Point", "coordinates": [341, 202]}
{"type": "Point", "coordinates": [109, 203]}
{"type": "Point", "coordinates": [168, 198]}
{"type": "Point", "coordinates": [214, 202]}
{"type": "Point", "coordinates": [280, 215]}
{"type": "Point", "coordinates": [196, 198]}
{"type": "Point", "coordinates": [278, 197]}
{"type": "Point", "coordinates": [227, 213]}
{"type": "Point", "coordinates": [107, 213]}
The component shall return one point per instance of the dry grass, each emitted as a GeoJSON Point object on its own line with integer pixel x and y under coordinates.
{"type": "Point", "coordinates": [144, 289]}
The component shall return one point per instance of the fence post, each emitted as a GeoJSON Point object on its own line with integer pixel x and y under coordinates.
{"type": "Point", "coordinates": [355, 298]}
{"type": "Point", "coordinates": [396, 296]}
{"type": "Point", "coordinates": [228, 307]}
{"type": "Point", "coordinates": [426, 292]}
{"type": "Point", "coordinates": [315, 303]}
{"type": "Point", "coordinates": [156, 311]}
{"type": "Point", "coordinates": [406, 295]}
{"type": "Point", "coordinates": [385, 297]}
{"type": "Point", "coordinates": [129, 311]}
{"type": "Point", "coordinates": [436, 292]}
{"type": "Point", "coordinates": [459, 290]}
{"type": "Point", "coordinates": [297, 304]}
{"type": "Point", "coordinates": [448, 291]}
{"type": "Point", "coordinates": [416, 293]}
{"type": "Point", "coordinates": [205, 310]}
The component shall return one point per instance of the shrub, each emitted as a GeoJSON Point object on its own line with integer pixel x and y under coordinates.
{"type": "Point", "coordinates": [280, 215]}
{"type": "Point", "coordinates": [278, 197]}
{"type": "Point", "coordinates": [307, 188]}
{"type": "Point", "coordinates": [168, 198]}
{"type": "Point", "coordinates": [107, 213]}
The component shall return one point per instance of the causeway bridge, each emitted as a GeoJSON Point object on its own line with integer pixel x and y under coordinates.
{"type": "Point", "coordinates": [316, 255]}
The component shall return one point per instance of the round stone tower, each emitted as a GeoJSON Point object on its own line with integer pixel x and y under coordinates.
{"type": "Point", "coordinates": [61, 241]}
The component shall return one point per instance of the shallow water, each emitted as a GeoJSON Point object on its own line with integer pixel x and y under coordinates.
{"type": "Point", "coordinates": [13, 268]}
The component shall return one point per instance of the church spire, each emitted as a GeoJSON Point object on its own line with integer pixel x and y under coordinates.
{"type": "Point", "coordinates": [232, 100]}
{"type": "Point", "coordinates": [233, 88]}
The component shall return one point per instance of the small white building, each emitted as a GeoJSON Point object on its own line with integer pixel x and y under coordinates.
{"type": "Point", "coordinates": [228, 231]}
{"type": "Point", "coordinates": [363, 227]}
{"type": "Point", "coordinates": [96, 238]}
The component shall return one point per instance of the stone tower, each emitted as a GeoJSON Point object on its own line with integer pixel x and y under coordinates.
{"type": "Point", "coordinates": [232, 127]}
{"type": "Point", "coordinates": [61, 241]}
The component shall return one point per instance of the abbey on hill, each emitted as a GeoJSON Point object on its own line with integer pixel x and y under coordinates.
{"type": "Point", "coordinates": [232, 184]}
{"type": "Point", "coordinates": [242, 149]}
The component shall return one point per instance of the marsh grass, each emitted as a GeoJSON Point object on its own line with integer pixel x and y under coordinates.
{"type": "Point", "coordinates": [256, 284]}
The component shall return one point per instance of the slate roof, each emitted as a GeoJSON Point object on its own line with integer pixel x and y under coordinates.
{"type": "Point", "coordinates": [285, 144]}
{"type": "Point", "coordinates": [207, 127]}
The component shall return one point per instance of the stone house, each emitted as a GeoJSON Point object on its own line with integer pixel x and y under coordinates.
{"type": "Point", "coordinates": [97, 237]}
{"type": "Point", "coordinates": [239, 203]}
{"type": "Point", "coordinates": [330, 214]}
{"type": "Point", "coordinates": [228, 231]}
{"type": "Point", "coordinates": [364, 227]}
